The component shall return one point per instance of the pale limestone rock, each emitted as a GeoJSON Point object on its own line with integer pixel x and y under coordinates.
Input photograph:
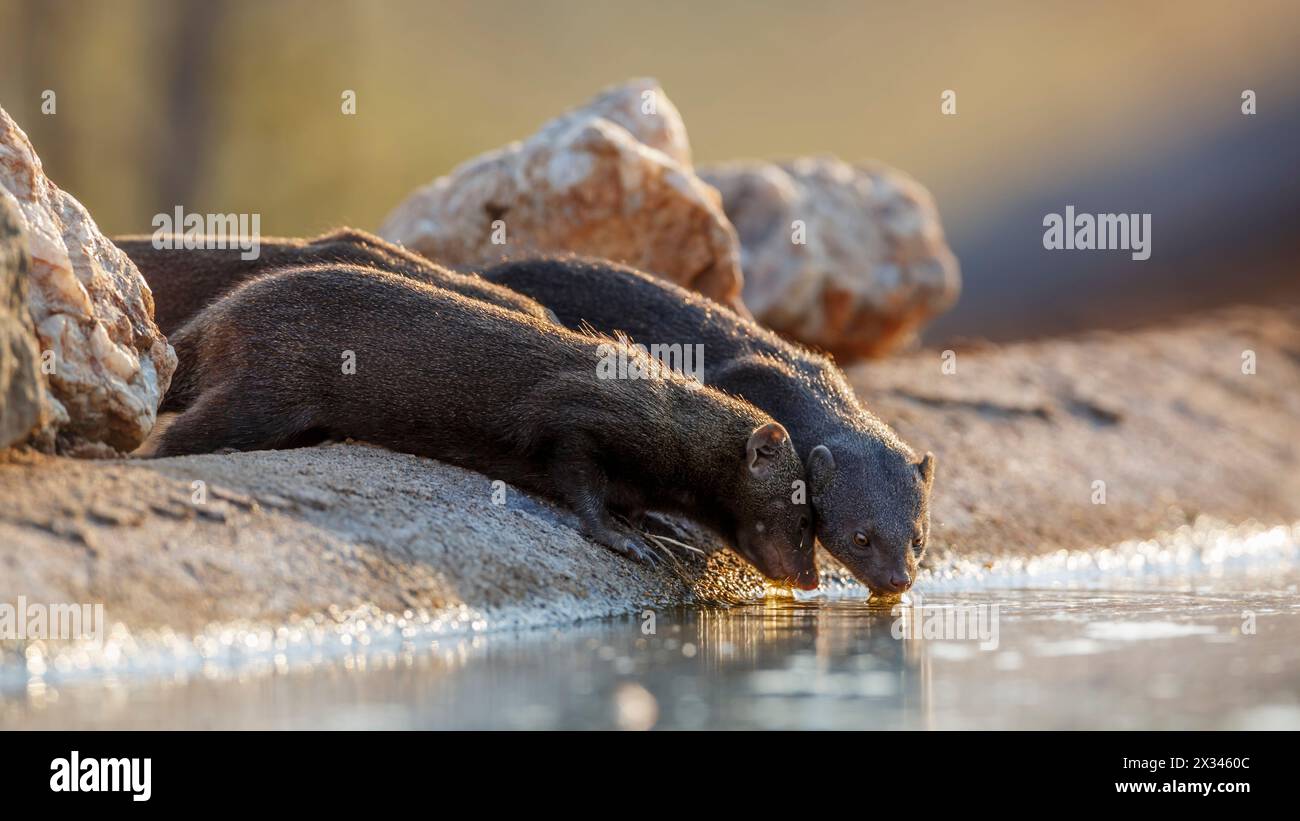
{"type": "Point", "coordinates": [20, 381]}
{"type": "Point", "coordinates": [92, 311]}
{"type": "Point", "coordinates": [611, 179]}
{"type": "Point", "coordinates": [641, 107]}
{"type": "Point", "coordinates": [873, 267]}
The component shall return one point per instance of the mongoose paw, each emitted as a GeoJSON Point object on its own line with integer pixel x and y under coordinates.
{"type": "Point", "coordinates": [627, 543]}
{"type": "Point", "coordinates": [635, 548]}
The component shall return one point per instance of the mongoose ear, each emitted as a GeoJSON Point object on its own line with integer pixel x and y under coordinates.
{"type": "Point", "coordinates": [820, 469]}
{"type": "Point", "coordinates": [926, 468]}
{"type": "Point", "coordinates": [762, 448]}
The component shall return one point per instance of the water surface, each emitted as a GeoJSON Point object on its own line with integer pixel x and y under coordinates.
{"type": "Point", "coordinates": [1203, 640]}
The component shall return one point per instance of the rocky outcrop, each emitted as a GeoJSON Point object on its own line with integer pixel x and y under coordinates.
{"type": "Point", "coordinates": [109, 365]}
{"type": "Point", "coordinates": [1166, 419]}
{"type": "Point", "coordinates": [611, 179]}
{"type": "Point", "coordinates": [20, 385]}
{"type": "Point", "coordinates": [847, 258]}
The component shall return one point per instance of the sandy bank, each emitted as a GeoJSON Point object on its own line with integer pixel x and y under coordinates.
{"type": "Point", "coordinates": [1165, 417]}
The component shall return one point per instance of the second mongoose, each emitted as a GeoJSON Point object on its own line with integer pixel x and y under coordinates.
{"type": "Point", "coordinates": [870, 493]}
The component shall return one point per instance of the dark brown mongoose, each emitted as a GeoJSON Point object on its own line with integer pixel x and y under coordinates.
{"type": "Point", "coordinates": [865, 478]}
{"type": "Point", "coordinates": [184, 280]}
{"type": "Point", "coordinates": [513, 397]}
{"type": "Point", "coordinates": [870, 494]}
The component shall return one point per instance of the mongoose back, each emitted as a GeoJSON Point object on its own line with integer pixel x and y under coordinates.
{"type": "Point", "coordinates": [337, 350]}
{"type": "Point", "coordinates": [870, 494]}
{"type": "Point", "coordinates": [184, 280]}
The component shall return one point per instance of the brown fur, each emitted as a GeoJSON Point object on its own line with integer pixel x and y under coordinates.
{"type": "Point", "coordinates": [516, 398]}
{"type": "Point", "coordinates": [863, 478]}
{"type": "Point", "coordinates": [870, 493]}
{"type": "Point", "coordinates": [184, 280]}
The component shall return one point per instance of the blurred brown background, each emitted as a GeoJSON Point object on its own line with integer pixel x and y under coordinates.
{"type": "Point", "coordinates": [1116, 106]}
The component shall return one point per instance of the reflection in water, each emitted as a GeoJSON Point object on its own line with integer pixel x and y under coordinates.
{"type": "Point", "coordinates": [1169, 652]}
{"type": "Point", "coordinates": [1197, 630]}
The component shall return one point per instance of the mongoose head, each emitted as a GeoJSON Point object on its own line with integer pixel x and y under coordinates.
{"type": "Point", "coordinates": [772, 520]}
{"type": "Point", "coordinates": [873, 511]}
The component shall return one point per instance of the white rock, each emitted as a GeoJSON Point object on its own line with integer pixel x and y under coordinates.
{"type": "Point", "coordinates": [873, 267]}
{"type": "Point", "coordinates": [611, 179]}
{"type": "Point", "coordinates": [90, 308]}
{"type": "Point", "coordinates": [20, 380]}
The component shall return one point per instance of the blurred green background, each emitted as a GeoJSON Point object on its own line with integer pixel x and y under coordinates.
{"type": "Point", "coordinates": [234, 106]}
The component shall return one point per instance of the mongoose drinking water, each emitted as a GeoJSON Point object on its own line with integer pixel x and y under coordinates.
{"type": "Point", "coordinates": [869, 492]}
{"type": "Point", "coordinates": [183, 280]}
{"type": "Point", "coordinates": [509, 395]}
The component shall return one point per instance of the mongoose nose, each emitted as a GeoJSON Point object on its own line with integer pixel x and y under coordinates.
{"type": "Point", "coordinates": [899, 581]}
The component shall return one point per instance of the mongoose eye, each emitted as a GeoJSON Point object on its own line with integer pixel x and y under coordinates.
{"type": "Point", "coordinates": [860, 539]}
{"type": "Point", "coordinates": [918, 544]}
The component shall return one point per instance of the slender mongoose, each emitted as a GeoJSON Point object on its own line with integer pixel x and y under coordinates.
{"type": "Point", "coordinates": [184, 280]}
{"type": "Point", "coordinates": [870, 494]}
{"type": "Point", "coordinates": [345, 351]}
